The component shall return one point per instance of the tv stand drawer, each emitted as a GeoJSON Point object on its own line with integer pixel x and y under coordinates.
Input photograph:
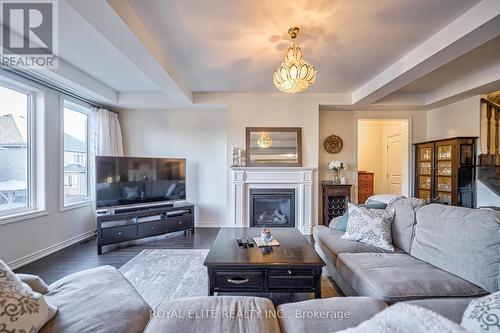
{"type": "Point", "coordinates": [118, 234]}
{"type": "Point", "coordinates": [180, 222]}
{"type": "Point", "coordinates": [147, 229]}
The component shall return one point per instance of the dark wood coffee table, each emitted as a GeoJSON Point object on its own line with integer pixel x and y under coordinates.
{"type": "Point", "coordinates": [292, 267]}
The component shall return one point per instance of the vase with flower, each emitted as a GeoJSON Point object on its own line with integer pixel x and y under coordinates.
{"type": "Point", "coordinates": [336, 166]}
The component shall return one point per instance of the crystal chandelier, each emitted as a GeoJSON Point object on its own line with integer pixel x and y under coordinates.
{"type": "Point", "coordinates": [294, 74]}
{"type": "Point", "coordinates": [264, 140]}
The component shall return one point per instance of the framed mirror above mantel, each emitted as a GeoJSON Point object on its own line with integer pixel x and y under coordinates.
{"type": "Point", "coordinates": [274, 146]}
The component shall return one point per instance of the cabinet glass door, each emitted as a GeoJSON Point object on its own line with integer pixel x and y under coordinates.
{"type": "Point", "coordinates": [425, 154]}
{"type": "Point", "coordinates": [444, 152]}
{"type": "Point", "coordinates": [425, 172]}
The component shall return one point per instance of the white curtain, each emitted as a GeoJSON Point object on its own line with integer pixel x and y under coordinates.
{"type": "Point", "coordinates": [109, 134]}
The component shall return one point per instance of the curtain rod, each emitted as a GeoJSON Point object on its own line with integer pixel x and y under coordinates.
{"type": "Point", "coordinates": [54, 86]}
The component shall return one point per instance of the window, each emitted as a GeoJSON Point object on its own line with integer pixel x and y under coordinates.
{"type": "Point", "coordinates": [15, 152]}
{"type": "Point", "coordinates": [76, 154]}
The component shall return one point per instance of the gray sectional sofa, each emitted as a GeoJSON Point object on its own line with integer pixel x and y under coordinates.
{"type": "Point", "coordinates": [445, 257]}
{"type": "Point", "coordinates": [441, 251]}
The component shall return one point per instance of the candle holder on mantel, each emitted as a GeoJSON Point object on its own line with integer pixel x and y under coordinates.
{"type": "Point", "coordinates": [238, 157]}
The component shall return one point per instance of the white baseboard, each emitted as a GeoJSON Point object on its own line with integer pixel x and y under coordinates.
{"type": "Point", "coordinates": [49, 250]}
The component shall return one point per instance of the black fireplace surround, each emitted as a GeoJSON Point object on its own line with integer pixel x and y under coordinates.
{"type": "Point", "coordinates": [272, 207]}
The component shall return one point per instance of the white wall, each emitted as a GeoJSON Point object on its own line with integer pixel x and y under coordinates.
{"type": "Point", "coordinates": [27, 240]}
{"type": "Point", "coordinates": [485, 196]}
{"type": "Point", "coordinates": [458, 119]}
{"type": "Point", "coordinates": [197, 135]}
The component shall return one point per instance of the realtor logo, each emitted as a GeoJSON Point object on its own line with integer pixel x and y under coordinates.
{"type": "Point", "coordinates": [29, 36]}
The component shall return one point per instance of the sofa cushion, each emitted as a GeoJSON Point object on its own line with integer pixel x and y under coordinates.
{"type": "Point", "coordinates": [399, 276]}
{"type": "Point", "coordinates": [327, 315]}
{"type": "Point", "coordinates": [451, 308]}
{"type": "Point", "coordinates": [403, 225]}
{"type": "Point", "coordinates": [215, 314]}
{"type": "Point", "coordinates": [96, 300]}
{"type": "Point", "coordinates": [330, 240]}
{"type": "Point", "coordinates": [462, 241]}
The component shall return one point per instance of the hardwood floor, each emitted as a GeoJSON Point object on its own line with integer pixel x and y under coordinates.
{"type": "Point", "coordinates": [83, 256]}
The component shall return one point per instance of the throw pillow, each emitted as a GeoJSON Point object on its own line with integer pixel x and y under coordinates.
{"type": "Point", "coordinates": [370, 226]}
{"type": "Point", "coordinates": [374, 204]}
{"type": "Point", "coordinates": [371, 204]}
{"type": "Point", "coordinates": [21, 309]}
{"type": "Point", "coordinates": [483, 314]}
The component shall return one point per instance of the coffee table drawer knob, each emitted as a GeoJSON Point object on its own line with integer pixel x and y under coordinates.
{"type": "Point", "coordinates": [237, 281]}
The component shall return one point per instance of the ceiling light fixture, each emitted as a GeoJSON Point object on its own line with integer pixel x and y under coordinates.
{"type": "Point", "coordinates": [294, 74]}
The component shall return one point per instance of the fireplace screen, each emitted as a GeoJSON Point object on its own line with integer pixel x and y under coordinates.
{"type": "Point", "coordinates": [272, 207]}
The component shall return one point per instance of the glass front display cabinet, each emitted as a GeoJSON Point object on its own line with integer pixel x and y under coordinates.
{"type": "Point", "coordinates": [445, 171]}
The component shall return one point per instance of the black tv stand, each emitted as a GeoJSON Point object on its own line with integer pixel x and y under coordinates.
{"type": "Point", "coordinates": [132, 223]}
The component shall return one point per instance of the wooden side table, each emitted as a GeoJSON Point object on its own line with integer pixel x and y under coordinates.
{"type": "Point", "coordinates": [335, 199]}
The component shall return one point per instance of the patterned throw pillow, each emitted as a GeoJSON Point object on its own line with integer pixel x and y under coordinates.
{"type": "Point", "coordinates": [370, 226]}
{"type": "Point", "coordinates": [483, 314]}
{"type": "Point", "coordinates": [21, 309]}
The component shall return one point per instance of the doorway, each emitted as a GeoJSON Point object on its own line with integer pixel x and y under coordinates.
{"type": "Point", "coordinates": [383, 154]}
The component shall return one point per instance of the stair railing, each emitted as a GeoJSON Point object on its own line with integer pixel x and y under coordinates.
{"type": "Point", "coordinates": [492, 113]}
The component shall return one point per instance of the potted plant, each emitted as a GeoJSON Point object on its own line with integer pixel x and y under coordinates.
{"type": "Point", "coordinates": [336, 166]}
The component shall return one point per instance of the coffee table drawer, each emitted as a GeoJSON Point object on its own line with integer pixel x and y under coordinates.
{"type": "Point", "coordinates": [291, 282]}
{"type": "Point", "coordinates": [238, 280]}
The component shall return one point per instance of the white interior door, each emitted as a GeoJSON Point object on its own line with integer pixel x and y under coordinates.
{"type": "Point", "coordinates": [395, 153]}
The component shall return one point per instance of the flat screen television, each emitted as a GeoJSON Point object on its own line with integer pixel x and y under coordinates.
{"type": "Point", "coordinates": [137, 180]}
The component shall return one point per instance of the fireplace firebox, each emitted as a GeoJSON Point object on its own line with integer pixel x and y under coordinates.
{"type": "Point", "coordinates": [272, 207]}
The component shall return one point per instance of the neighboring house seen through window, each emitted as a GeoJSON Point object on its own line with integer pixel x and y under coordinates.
{"type": "Point", "coordinates": [15, 157]}
{"type": "Point", "coordinates": [76, 154]}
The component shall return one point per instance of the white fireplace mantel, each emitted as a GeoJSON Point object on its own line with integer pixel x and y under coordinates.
{"type": "Point", "coordinates": [298, 178]}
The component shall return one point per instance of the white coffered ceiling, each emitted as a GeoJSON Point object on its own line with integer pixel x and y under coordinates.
{"type": "Point", "coordinates": [157, 53]}
{"type": "Point", "coordinates": [227, 45]}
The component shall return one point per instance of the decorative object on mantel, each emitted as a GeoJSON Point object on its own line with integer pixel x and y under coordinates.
{"type": "Point", "coordinates": [294, 74]}
{"type": "Point", "coordinates": [238, 157]}
{"type": "Point", "coordinates": [274, 146]}
{"type": "Point", "coordinates": [333, 144]}
{"type": "Point", "coordinates": [336, 166]}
